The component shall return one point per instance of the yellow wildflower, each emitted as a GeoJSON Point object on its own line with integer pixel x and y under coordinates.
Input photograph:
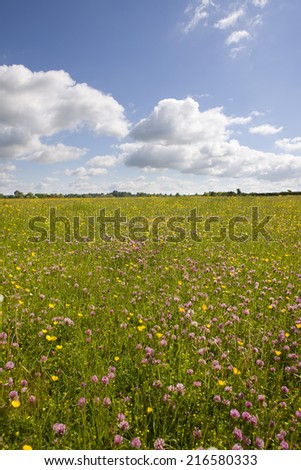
{"type": "Point", "coordinates": [221, 383]}
{"type": "Point", "coordinates": [15, 403]}
{"type": "Point", "coordinates": [51, 338]}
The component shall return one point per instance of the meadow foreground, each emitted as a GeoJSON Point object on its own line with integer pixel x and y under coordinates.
{"type": "Point", "coordinates": [164, 331]}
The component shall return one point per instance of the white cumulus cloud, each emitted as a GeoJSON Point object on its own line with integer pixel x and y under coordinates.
{"type": "Point", "coordinates": [290, 145]}
{"type": "Point", "coordinates": [177, 135]}
{"type": "Point", "coordinates": [36, 105]}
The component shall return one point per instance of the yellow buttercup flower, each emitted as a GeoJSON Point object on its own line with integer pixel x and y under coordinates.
{"type": "Point", "coordinates": [51, 338]}
{"type": "Point", "coordinates": [236, 371]}
{"type": "Point", "coordinates": [278, 353]}
{"type": "Point", "coordinates": [221, 383]}
{"type": "Point", "coordinates": [16, 403]}
{"type": "Point", "coordinates": [149, 409]}
{"type": "Point", "coordinates": [26, 447]}
{"type": "Point", "coordinates": [54, 378]}
{"type": "Point", "coordinates": [141, 327]}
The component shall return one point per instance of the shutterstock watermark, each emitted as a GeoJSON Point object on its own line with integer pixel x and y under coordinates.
{"type": "Point", "coordinates": [174, 229]}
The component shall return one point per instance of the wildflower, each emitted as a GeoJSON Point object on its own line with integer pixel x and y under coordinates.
{"type": "Point", "coordinates": [54, 378]}
{"type": "Point", "coordinates": [237, 447]}
{"type": "Point", "coordinates": [59, 428]}
{"type": "Point", "coordinates": [136, 443]}
{"type": "Point", "coordinates": [116, 358]}
{"type": "Point", "coordinates": [298, 413]}
{"type": "Point", "coordinates": [234, 413]}
{"type": "Point", "coordinates": [180, 388]}
{"type": "Point", "coordinates": [284, 445]}
{"type": "Point", "coordinates": [278, 353]}
{"type": "Point", "coordinates": [221, 383]}
{"type": "Point", "coordinates": [13, 394]}
{"type": "Point", "coordinates": [236, 371]}
{"type": "Point", "coordinates": [9, 365]}
{"type": "Point", "coordinates": [118, 440]}
{"type": "Point", "coordinates": [94, 378]}
{"type": "Point", "coordinates": [149, 409]}
{"type": "Point", "coordinates": [259, 443]}
{"type": "Point", "coordinates": [105, 380]}
{"type": "Point", "coordinates": [15, 403]}
{"type": "Point", "coordinates": [26, 447]}
{"type": "Point", "coordinates": [51, 338]}
{"type": "Point", "coordinates": [81, 402]}
{"type": "Point", "coordinates": [124, 425]}
{"type": "Point", "coordinates": [197, 433]}
{"type": "Point", "coordinates": [141, 328]}
{"type": "Point", "coordinates": [106, 402]}
{"type": "Point", "coordinates": [237, 434]}
{"type": "Point", "coordinates": [159, 444]}
{"type": "Point", "coordinates": [157, 384]}
{"type": "Point", "coordinates": [32, 399]}
{"type": "Point", "coordinates": [246, 416]}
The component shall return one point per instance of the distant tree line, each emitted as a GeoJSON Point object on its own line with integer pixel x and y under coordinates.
{"type": "Point", "coordinates": [20, 195]}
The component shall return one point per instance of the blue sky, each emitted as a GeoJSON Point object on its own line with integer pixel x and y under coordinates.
{"type": "Point", "coordinates": [156, 95]}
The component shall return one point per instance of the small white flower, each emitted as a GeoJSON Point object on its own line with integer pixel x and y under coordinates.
{"type": "Point", "coordinates": [1, 298]}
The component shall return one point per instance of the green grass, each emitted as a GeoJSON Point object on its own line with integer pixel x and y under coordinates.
{"type": "Point", "coordinates": [220, 318]}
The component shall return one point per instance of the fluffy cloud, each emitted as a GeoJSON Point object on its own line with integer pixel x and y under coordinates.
{"type": "Point", "coordinates": [178, 136]}
{"type": "Point", "coordinates": [265, 129]}
{"type": "Point", "coordinates": [229, 20]}
{"type": "Point", "coordinates": [290, 145]}
{"type": "Point", "coordinates": [36, 105]}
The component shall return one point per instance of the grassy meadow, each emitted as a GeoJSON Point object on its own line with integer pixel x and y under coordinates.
{"type": "Point", "coordinates": [163, 339]}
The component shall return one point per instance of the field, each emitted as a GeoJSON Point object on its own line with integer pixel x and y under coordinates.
{"type": "Point", "coordinates": [170, 333]}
